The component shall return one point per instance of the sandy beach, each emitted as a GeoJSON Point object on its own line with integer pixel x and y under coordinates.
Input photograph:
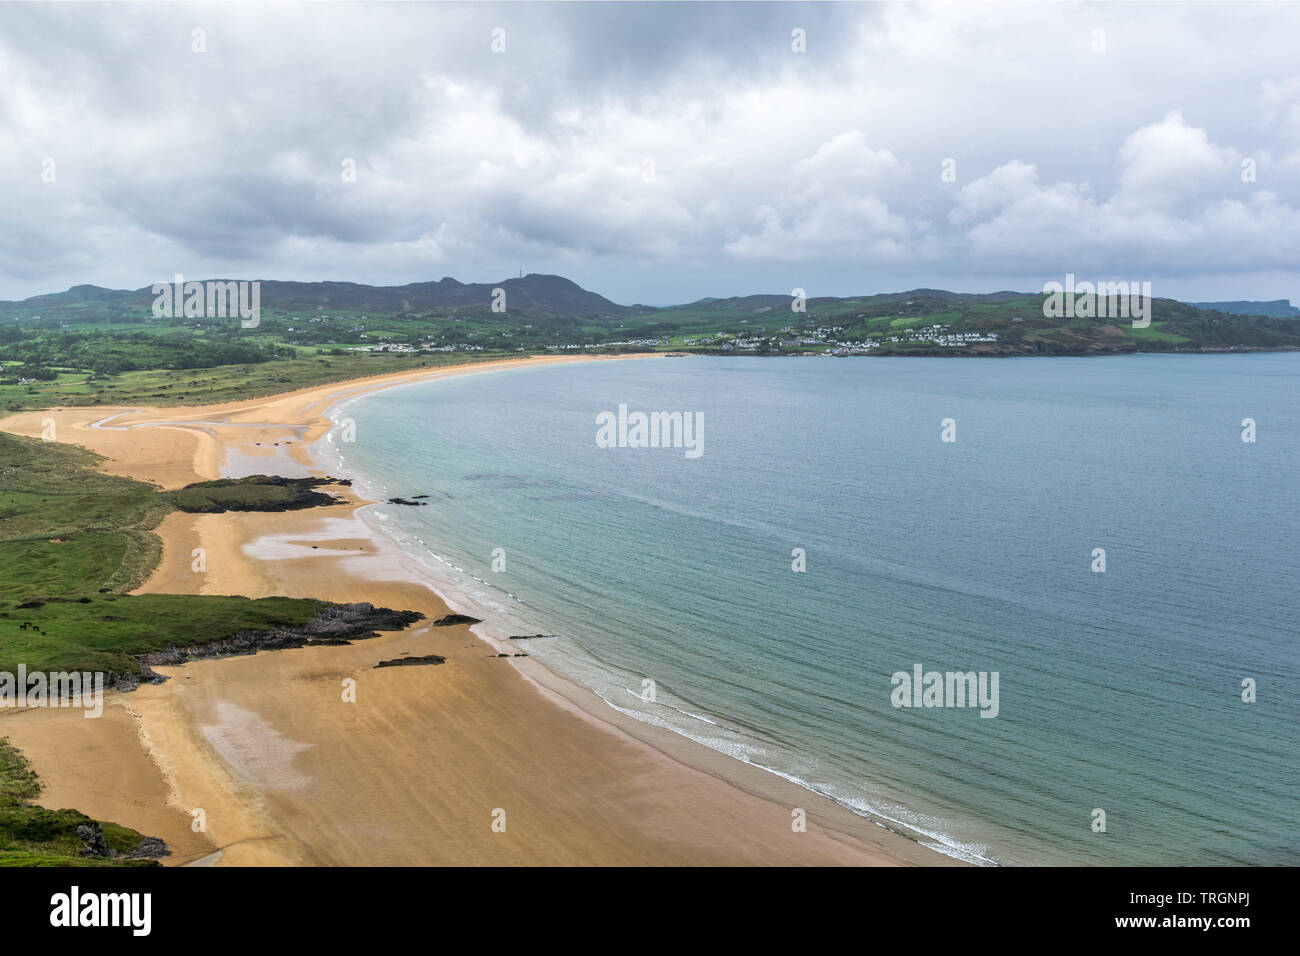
{"type": "Point", "coordinates": [283, 770]}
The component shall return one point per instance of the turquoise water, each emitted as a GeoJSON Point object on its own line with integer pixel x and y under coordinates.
{"type": "Point", "coordinates": [1118, 690]}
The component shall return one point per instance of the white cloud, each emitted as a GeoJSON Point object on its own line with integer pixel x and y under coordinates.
{"type": "Point", "coordinates": [1179, 207]}
{"type": "Point", "coordinates": [1173, 167]}
{"type": "Point", "coordinates": [834, 205]}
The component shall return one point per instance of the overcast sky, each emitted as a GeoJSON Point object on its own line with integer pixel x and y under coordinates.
{"type": "Point", "coordinates": [654, 153]}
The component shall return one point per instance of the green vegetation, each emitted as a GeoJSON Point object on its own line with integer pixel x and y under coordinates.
{"type": "Point", "coordinates": [34, 836]}
{"type": "Point", "coordinates": [223, 383]}
{"type": "Point", "coordinates": [254, 493]}
{"type": "Point", "coordinates": [72, 542]}
{"type": "Point", "coordinates": [66, 529]}
{"type": "Point", "coordinates": [108, 353]}
{"type": "Point", "coordinates": [1154, 333]}
{"type": "Point", "coordinates": [1278, 308]}
{"type": "Point", "coordinates": [103, 632]}
{"type": "Point", "coordinates": [92, 346]}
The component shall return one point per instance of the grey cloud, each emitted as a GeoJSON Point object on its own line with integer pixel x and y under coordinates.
{"type": "Point", "coordinates": [823, 166]}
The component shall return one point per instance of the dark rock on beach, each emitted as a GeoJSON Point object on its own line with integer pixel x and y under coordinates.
{"type": "Point", "coordinates": [252, 494]}
{"type": "Point", "coordinates": [150, 848]}
{"type": "Point", "coordinates": [449, 619]}
{"type": "Point", "coordinates": [93, 844]}
{"type": "Point", "coordinates": [129, 682]}
{"type": "Point", "coordinates": [92, 839]}
{"type": "Point", "coordinates": [412, 661]}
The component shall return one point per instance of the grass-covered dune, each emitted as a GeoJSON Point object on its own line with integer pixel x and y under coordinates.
{"type": "Point", "coordinates": [72, 384]}
{"type": "Point", "coordinates": [73, 542]}
{"type": "Point", "coordinates": [68, 530]}
{"type": "Point", "coordinates": [254, 493]}
{"type": "Point", "coordinates": [34, 836]}
{"type": "Point", "coordinates": [105, 632]}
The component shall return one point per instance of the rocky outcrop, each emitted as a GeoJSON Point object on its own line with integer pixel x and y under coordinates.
{"type": "Point", "coordinates": [150, 848]}
{"type": "Point", "coordinates": [92, 839]}
{"type": "Point", "coordinates": [93, 844]}
{"type": "Point", "coordinates": [336, 624]}
{"type": "Point", "coordinates": [412, 661]}
{"type": "Point", "coordinates": [245, 494]}
{"type": "Point", "coordinates": [448, 620]}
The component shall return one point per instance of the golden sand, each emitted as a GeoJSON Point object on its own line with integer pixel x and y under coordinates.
{"type": "Point", "coordinates": [280, 768]}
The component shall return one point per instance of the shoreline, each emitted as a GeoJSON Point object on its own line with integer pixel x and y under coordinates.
{"type": "Point", "coordinates": [282, 771]}
{"type": "Point", "coordinates": [570, 691]}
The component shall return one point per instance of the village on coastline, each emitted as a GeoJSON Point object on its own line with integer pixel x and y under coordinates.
{"type": "Point", "coordinates": [815, 341]}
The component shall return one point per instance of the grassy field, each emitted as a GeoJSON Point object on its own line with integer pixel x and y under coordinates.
{"type": "Point", "coordinates": [223, 383]}
{"type": "Point", "coordinates": [102, 632]}
{"type": "Point", "coordinates": [1153, 333]}
{"type": "Point", "coordinates": [68, 529]}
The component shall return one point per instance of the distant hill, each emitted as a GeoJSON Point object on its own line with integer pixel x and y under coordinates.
{"type": "Point", "coordinates": [531, 296]}
{"type": "Point", "coordinates": [534, 296]}
{"type": "Point", "coordinates": [1276, 309]}
{"type": "Point", "coordinates": [548, 312]}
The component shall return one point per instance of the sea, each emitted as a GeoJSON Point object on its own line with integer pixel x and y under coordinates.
{"type": "Point", "coordinates": [1107, 548]}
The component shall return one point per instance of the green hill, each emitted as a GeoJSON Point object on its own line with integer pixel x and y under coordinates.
{"type": "Point", "coordinates": [1277, 308]}
{"type": "Point", "coordinates": [99, 346]}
